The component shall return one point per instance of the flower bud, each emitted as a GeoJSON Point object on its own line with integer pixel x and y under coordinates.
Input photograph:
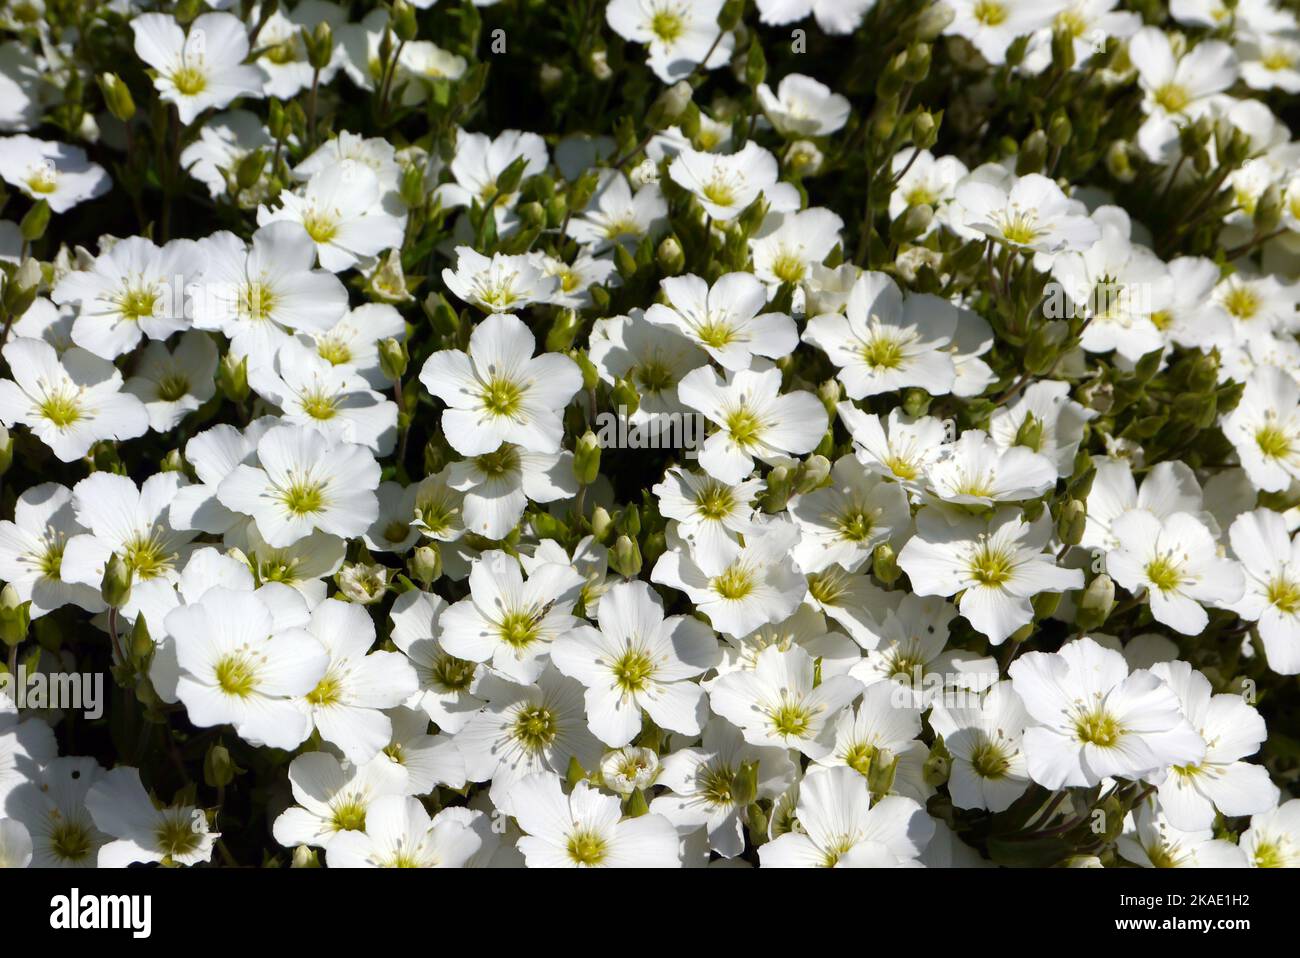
{"type": "Point", "coordinates": [1096, 604]}
{"type": "Point", "coordinates": [117, 97]}
{"type": "Point", "coordinates": [115, 587]}
{"type": "Point", "coordinates": [586, 458]}
{"type": "Point", "coordinates": [625, 397]}
{"type": "Point", "coordinates": [812, 474]}
{"type": "Point", "coordinates": [671, 258]}
{"type": "Point", "coordinates": [34, 222]}
{"type": "Point", "coordinates": [1071, 522]}
{"type": "Point", "coordinates": [393, 359]}
{"type": "Point", "coordinates": [218, 767]}
{"type": "Point", "coordinates": [602, 524]}
{"type": "Point", "coordinates": [232, 377]}
{"type": "Point", "coordinates": [425, 564]}
{"type": "Point", "coordinates": [6, 450]}
{"type": "Point", "coordinates": [305, 857]}
{"type": "Point", "coordinates": [625, 557]}
{"type": "Point", "coordinates": [15, 616]}
{"type": "Point", "coordinates": [884, 563]}
{"type": "Point", "coordinates": [403, 20]}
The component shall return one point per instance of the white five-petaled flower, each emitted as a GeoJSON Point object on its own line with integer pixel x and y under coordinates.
{"type": "Point", "coordinates": [884, 342]}
{"type": "Point", "coordinates": [1270, 562]}
{"type": "Point", "coordinates": [303, 482]}
{"type": "Point", "coordinates": [997, 565]}
{"type": "Point", "coordinates": [1094, 720]}
{"type": "Point", "coordinates": [507, 621]}
{"type": "Point", "coordinates": [200, 69]}
{"type": "Point", "coordinates": [234, 670]}
{"type": "Point", "coordinates": [1176, 563]}
{"type": "Point", "coordinates": [499, 392]}
{"type": "Point", "coordinates": [777, 703]}
{"type": "Point", "coordinates": [724, 319]}
{"type": "Point", "coordinates": [638, 660]}
{"type": "Point", "coordinates": [681, 34]}
{"type": "Point", "coordinates": [840, 828]}
{"type": "Point", "coordinates": [755, 419]}
{"type": "Point", "coordinates": [69, 402]}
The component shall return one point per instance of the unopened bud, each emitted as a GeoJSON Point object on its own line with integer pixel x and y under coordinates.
{"type": "Point", "coordinates": [115, 587]}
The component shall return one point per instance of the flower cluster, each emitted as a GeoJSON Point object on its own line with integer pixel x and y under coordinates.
{"type": "Point", "coordinates": [650, 433]}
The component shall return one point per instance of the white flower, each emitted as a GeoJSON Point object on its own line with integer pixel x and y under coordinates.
{"type": "Point", "coordinates": [313, 392]}
{"type": "Point", "coordinates": [638, 660]}
{"type": "Point", "coordinates": [789, 246]}
{"type": "Point", "coordinates": [709, 515]}
{"type": "Point", "coordinates": [341, 210]}
{"type": "Point", "coordinates": [617, 216]}
{"type": "Point", "coordinates": [1033, 214]}
{"type": "Point", "coordinates": [973, 471]}
{"type": "Point", "coordinates": [135, 289]}
{"type": "Point", "coordinates": [69, 402]}
{"type": "Point", "coordinates": [1055, 423]}
{"type": "Point", "coordinates": [333, 798]}
{"type": "Point", "coordinates": [283, 61]}
{"type": "Point", "coordinates": [448, 686]}
{"type": "Point", "coordinates": [351, 345]}
{"type": "Point", "coordinates": [1265, 429]}
{"type": "Point", "coordinates": [1270, 561]}
{"type": "Point", "coordinates": [654, 358]}
{"type": "Point", "coordinates": [1176, 563]}
{"type": "Point", "coordinates": [844, 522]}
{"type": "Point", "coordinates": [983, 735]}
{"type": "Point", "coordinates": [132, 524]}
{"type": "Point", "coordinates": [1232, 730]}
{"type": "Point", "coordinates": [508, 621]}
{"type": "Point", "coordinates": [524, 729]}
{"type": "Point", "coordinates": [913, 652]}
{"type": "Point", "coordinates": [998, 567]}
{"type": "Point", "coordinates": [15, 844]}
{"type": "Point", "coordinates": [54, 172]}
{"type": "Point", "coordinates": [174, 383]}
{"type": "Point", "coordinates": [223, 143]}
{"type": "Point", "coordinates": [707, 790]}
{"type": "Point", "coordinates": [201, 69]}
{"type": "Point", "coordinates": [755, 420]}
{"type": "Point", "coordinates": [833, 16]}
{"type": "Point", "coordinates": [303, 482]}
{"type": "Point", "coordinates": [726, 185]}
{"type": "Point", "coordinates": [51, 805]}
{"type": "Point", "coordinates": [499, 392]}
{"type": "Point", "coordinates": [585, 830]}
{"type": "Point", "coordinates": [1094, 720]}
{"type": "Point", "coordinates": [777, 704]}
{"type": "Point", "coordinates": [1169, 487]}
{"type": "Point", "coordinates": [1177, 88]}
{"type": "Point", "coordinates": [479, 162]}
{"type": "Point", "coordinates": [757, 587]}
{"type": "Point", "coordinates": [24, 747]}
{"type": "Point", "coordinates": [235, 670]}
{"type": "Point", "coordinates": [497, 486]}
{"type": "Point", "coordinates": [31, 552]}
{"type": "Point", "coordinates": [884, 342]}
{"type": "Point", "coordinates": [924, 180]}
{"type": "Point", "coordinates": [121, 808]}
{"type": "Point", "coordinates": [1150, 840]}
{"type": "Point", "coordinates": [1273, 839]}
{"type": "Point", "coordinates": [344, 706]}
{"type": "Point", "coordinates": [400, 834]}
{"type": "Point", "coordinates": [422, 60]}
{"type": "Point", "coordinates": [723, 319]}
{"type": "Point", "coordinates": [258, 296]}
{"type": "Point", "coordinates": [840, 828]}
{"type": "Point", "coordinates": [681, 34]}
{"type": "Point", "coordinates": [803, 106]}
{"type": "Point", "coordinates": [992, 25]}
{"type": "Point", "coordinates": [904, 451]}
{"type": "Point", "coordinates": [626, 770]}
{"type": "Point", "coordinates": [1122, 289]}
{"type": "Point", "coordinates": [427, 760]}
